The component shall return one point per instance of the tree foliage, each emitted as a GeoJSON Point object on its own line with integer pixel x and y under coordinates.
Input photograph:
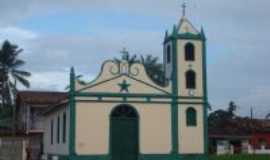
{"type": "Point", "coordinates": [220, 116]}
{"type": "Point", "coordinates": [131, 59]}
{"type": "Point", "coordinates": [11, 72]}
{"type": "Point", "coordinates": [153, 67]}
{"type": "Point", "coordinates": [267, 116]}
{"type": "Point", "coordinates": [5, 112]}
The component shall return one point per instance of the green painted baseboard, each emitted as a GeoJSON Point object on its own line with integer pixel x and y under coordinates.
{"type": "Point", "coordinates": [141, 157]}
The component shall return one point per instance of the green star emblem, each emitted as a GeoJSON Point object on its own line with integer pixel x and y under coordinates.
{"type": "Point", "coordinates": [124, 86]}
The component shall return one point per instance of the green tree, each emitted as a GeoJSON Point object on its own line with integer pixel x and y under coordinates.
{"type": "Point", "coordinates": [11, 72]}
{"type": "Point", "coordinates": [220, 117]}
{"type": "Point", "coordinates": [232, 109]}
{"type": "Point", "coordinates": [154, 69]}
{"type": "Point", "coordinates": [209, 107]}
{"type": "Point", "coordinates": [267, 116]}
{"type": "Point", "coordinates": [151, 63]}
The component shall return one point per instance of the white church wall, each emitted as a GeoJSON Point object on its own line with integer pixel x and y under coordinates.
{"type": "Point", "coordinates": [93, 124]}
{"type": "Point", "coordinates": [191, 139]}
{"type": "Point", "coordinates": [155, 128]}
{"type": "Point", "coordinates": [56, 148]}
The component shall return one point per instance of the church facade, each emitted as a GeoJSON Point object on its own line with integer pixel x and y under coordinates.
{"type": "Point", "coordinates": [124, 115]}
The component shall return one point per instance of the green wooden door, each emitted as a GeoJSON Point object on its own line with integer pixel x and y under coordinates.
{"type": "Point", "coordinates": [124, 137]}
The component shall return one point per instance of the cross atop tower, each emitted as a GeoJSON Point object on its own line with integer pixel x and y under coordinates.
{"type": "Point", "coordinates": [184, 6]}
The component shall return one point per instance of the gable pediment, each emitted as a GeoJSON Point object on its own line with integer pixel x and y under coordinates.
{"type": "Point", "coordinates": [185, 26]}
{"type": "Point", "coordinates": [122, 78]}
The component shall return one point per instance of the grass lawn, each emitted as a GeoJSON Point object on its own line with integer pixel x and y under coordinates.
{"type": "Point", "coordinates": [240, 157]}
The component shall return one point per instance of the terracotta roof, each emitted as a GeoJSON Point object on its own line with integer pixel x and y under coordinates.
{"type": "Point", "coordinates": [240, 127]}
{"type": "Point", "coordinates": [261, 125]}
{"type": "Point", "coordinates": [40, 97]}
{"type": "Point", "coordinates": [53, 108]}
{"type": "Point", "coordinates": [228, 133]}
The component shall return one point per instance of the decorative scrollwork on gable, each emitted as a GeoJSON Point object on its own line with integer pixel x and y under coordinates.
{"type": "Point", "coordinates": [134, 70]}
{"type": "Point", "coordinates": [114, 69]}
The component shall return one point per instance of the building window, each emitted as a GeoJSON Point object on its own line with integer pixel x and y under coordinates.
{"type": "Point", "coordinates": [58, 129]}
{"type": "Point", "coordinates": [190, 79]}
{"type": "Point", "coordinates": [191, 117]}
{"type": "Point", "coordinates": [168, 54]}
{"type": "Point", "coordinates": [52, 131]}
{"type": "Point", "coordinates": [189, 52]}
{"type": "Point", "coordinates": [64, 127]}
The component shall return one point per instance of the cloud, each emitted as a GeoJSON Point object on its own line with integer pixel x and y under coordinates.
{"type": "Point", "coordinates": [237, 34]}
{"type": "Point", "coordinates": [226, 11]}
{"type": "Point", "coordinates": [19, 36]}
{"type": "Point", "coordinates": [17, 33]}
{"type": "Point", "coordinates": [52, 80]}
{"type": "Point", "coordinates": [51, 52]}
{"type": "Point", "coordinates": [252, 97]}
{"type": "Point", "coordinates": [49, 80]}
{"type": "Point", "coordinates": [12, 11]}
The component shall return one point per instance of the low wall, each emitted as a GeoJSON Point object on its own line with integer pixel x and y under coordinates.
{"type": "Point", "coordinates": [12, 148]}
{"type": "Point", "coordinates": [263, 150]}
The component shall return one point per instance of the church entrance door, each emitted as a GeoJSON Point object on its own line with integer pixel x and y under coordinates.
{"type": "Point", "coordinates": [124, 133]}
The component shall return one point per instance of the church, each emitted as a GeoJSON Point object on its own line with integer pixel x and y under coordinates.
{"type": "Point", "coordinates": [124, 115]}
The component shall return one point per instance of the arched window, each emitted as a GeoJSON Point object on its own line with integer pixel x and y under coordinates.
{"type": "Point", "coordinates": [191, 117]}
{"type": "Point", "coordinates": [190, 79]}
{"type": "Point", "coordinates": [189, 52]}
{"type": "Point", "coordinates": [168, 53]}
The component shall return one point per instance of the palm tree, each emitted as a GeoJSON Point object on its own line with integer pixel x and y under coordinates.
{"type": "Point", "coordinates": [154, 69]}
{"type": "Point", "coordinates": [10, 72]}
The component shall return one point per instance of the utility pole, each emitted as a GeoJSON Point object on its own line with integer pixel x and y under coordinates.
{"type": "Point", "coordinates": [251, 113]}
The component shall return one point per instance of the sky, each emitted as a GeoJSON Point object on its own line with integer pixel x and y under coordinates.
{"type": "Point", "coordinates": [58, 34]}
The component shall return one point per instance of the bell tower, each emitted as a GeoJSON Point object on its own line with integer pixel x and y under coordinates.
{"type": "Point", "coordinates": [184, 58]}
{"type": "Point", "coordinates": [185, 67]}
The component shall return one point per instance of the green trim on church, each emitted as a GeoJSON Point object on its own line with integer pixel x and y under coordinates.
{"type": "Point", "coordinates": [72, 111]}
{"type": "Point", "coordinates": [185, 36]}
{"type": "Point", "coordinates": [141, 157]}
{"type": "Point", "coordinates": [165, 97]}
{"type": "Point", "coordinates": [133, 95]}
{"type": "Point", "coordinates": [205, 91]}
{"type": "Point", "coordinates": [174, 109]}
